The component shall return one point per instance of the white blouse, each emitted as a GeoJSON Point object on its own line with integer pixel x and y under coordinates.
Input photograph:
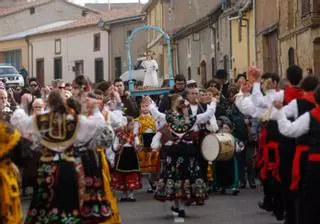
{"type": "Point", "coordinates": [87, 126]}
{"type": "Point", "coordinates": [260, 100]}
{"type": "Point", "coordinates": [246, 106]}
{"type": "Point", "coordinates": [293, 129]}
{"type": "Point", "coordinates": [201, 119]}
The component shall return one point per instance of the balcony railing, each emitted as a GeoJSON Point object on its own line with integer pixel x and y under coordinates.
{"type": "Point", "coordinates": [310, 8]}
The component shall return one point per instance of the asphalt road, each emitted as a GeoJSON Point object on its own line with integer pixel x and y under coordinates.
{"type": "Point", "coordinates": [220, 209]}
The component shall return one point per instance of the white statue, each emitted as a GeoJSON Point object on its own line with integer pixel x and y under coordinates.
{"type": "Point", "coordinates": [151, 66]}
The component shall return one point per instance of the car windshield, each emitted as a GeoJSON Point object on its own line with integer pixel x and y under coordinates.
{"type": "Point", "coordinates": [7, 71]}
{"type": "Point", "coordinates": [138, 66]}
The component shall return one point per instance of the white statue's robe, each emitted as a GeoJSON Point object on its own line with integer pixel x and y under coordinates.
{"type": "Point", "coordinates": [151, 77]}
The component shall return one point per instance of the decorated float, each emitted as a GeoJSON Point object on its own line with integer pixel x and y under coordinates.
{"type": "Point", "coordinates": [151, 64]}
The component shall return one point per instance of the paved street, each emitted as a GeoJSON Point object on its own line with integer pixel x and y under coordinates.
{"type": "Point", "coordinates": [226, 209]}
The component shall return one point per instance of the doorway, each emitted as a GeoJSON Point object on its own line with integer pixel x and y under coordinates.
{"type": "Point", "coordinates": [118, 65]}
{"type": "Point", "coordinates": [99, 76]}
{"type": "Point", "coordinates": [40, 71]}
{"type": "Point", "coordinates": [316, 56]}
{"type": "Point", "coordinates": [58, 68]}
{"type": "Point", "coordinates": [78, 67]}
{"type": "Point", "coordinates": [203, 72]}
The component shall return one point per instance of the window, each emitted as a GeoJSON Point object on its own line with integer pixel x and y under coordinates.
{"type": "Point", "coordinates": [305, 8]}
{"type": "Point", "coordinates": [291, 56]}
{"type": "Point", "coordinates": [40, 70]}
{"type": "Point", "coordinates": [85, 13]}
{"type": "Point", "coordinates": [32, 10]}
{"type": "Point", "coordinates": [189, 73]}
{"type": "Point", "coordinates": [98, 70]}
{"type": "Point", "coordinates": [189, 47]}
{"type": "Point", "coordinates": [96, 42]}
{"type": "Point", "coordinates": [78, 67]}
{"type": "Point", "coordinates": [58, 68]}
{"type": "Point", "coordinates": [57, 46]}
{"type": "Point", "coordinates": [118, 65]}
{"type": "Point", "coordinates": [129, 33]}
{"type": "Point", "coordinates": [226, 63]}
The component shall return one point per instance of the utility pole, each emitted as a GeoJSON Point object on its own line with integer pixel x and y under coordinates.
{"type": "Point", "coordinates": [109, 4]}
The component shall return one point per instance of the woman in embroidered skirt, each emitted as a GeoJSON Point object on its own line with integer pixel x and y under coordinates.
{"type": "Point", "coordinates": [126, 177]}
{"type": "Point", "coordinates": [181, 178]}
{"type": "Point", "coordinates": [60, 194]}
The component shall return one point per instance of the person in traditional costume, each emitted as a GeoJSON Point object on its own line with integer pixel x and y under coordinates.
{"type": "Point", "coordinates": [151, 66]}
{"type": "Point", "coordinates": [269, 172]}
{"type": "Point", "coordinates": [202, 130]}
{"type": "Point", "coordinates": [181, 178]}
{"type": "Point", "coordinates": [126, 177]}
{"type": "Point", "coordinates": [144, 130]}
{"type": "Point", "coordinates": [60, 194]}
{"type": "Point", "coordinates": [306, 125]}
{"type": "Point", "coordinates": [10, 148]}
{"type": "Point", "coordinates": [286, 146]}
{"type": "Point", "coordinates": [101, 144]}
{"type": "Point", "coordinates": [295, 109]}
{"type": "Point", "coordinates": [241, 132]}
{"type": "Point", "coordinates": [226, 172]}
{"type": "Point", "coordinates": [31, 151]}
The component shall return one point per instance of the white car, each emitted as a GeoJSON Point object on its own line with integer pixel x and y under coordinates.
{"type": "Point", "coordinates": [138, 72]}
{"type": "Point", "coordinates": [10, 76]}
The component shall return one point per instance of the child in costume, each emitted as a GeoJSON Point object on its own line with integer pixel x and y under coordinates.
{"type": "Point", "coordinates": [226, 172]}
{"type": "Point", "coordinates": [126, 177]}
{"type": "Point", "coordinates": [144, 130]}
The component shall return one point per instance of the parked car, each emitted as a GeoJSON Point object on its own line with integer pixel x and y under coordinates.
{"type": "Point", "coordinates": [10, 76]}
{"type": "Point", "coordinates": [138, 72]}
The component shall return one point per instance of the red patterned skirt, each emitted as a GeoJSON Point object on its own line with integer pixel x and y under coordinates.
{"type": "Point", "coordinates": [122, 181]}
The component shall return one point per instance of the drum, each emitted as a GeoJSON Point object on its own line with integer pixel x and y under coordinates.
{"type": "Point", "coordinates": [218, 147]}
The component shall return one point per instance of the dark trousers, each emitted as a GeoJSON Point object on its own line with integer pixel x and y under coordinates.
{"type": "Point", "coordinates": [311, 194]}
{"type": "Point", "coordinates": [273, 197]}
{"type": "Point", "coordinates": [287, 151]}
{"type": "Point", "coordinates": [246, 165]}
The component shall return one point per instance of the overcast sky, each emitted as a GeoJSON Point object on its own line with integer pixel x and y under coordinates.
{"type": "Point", "coordinates": [82, 2]}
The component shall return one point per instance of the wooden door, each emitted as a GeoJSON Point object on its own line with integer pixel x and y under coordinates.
{"type": "Point", "coordinates": [203, 72]}
{"type": "Point", "coordinates": [99, 76]}
{"type": "Point", "coordinates": [40, 71]}
{"type": "Point", "coordinates": [316, 56]}
{"type": "Point", "coordinates": [118, 66]}
{"type": "Point", "coordinates": [271, 57]}
{"type": "Point", "coordinates": [79, 67]}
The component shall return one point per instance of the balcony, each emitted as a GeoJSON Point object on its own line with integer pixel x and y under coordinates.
{"type": "Point", "coordinates": [310, 12]}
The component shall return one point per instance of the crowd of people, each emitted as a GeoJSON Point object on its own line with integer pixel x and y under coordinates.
{"type": "Point", "coordinates": [77, 143]}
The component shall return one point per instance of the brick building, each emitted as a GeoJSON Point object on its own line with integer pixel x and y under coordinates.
{"type": "Point", "coordinates": [299, 35]}
{"type": "Point", "coordinates": [267, 31]}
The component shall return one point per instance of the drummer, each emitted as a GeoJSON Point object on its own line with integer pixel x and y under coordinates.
{"type": "Point", "coordinates": [226, 172]}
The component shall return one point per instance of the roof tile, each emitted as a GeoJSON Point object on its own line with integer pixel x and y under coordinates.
{"type": "Point", "coordinates": [113, 14]}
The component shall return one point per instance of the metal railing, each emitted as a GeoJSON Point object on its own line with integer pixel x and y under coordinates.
{"type": "Point", "coordinates": [309, 8]}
